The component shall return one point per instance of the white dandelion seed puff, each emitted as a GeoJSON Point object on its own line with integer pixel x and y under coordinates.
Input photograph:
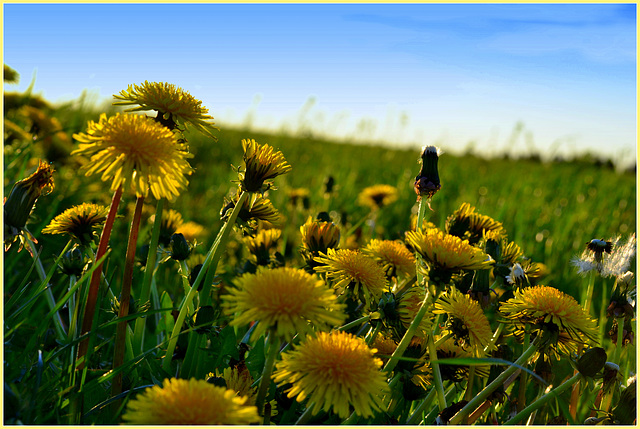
{"type": "Point", "coordinates": [619, 261]}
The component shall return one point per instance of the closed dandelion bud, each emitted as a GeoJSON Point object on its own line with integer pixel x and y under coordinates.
{"type": "Point", "coordinates": [205, 317]}
{"type": "Point", "coordinates": [180, 248]}
{"type": "Point", "coordinates": [24, 194]}
{"type": "Point", "coordinates": [389, 307]}
{"type": "Point", "coordinates": [428, 181]}
{"type": "Point", "coordinates": [73, 262]}
{"type": "Point", "coordinates": [592, 361]}
{"type": "Point", "coordinates": [194, 275]}
{"type": "Point", "coordinates": [329, 183]}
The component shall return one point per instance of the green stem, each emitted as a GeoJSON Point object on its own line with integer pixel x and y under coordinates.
{"type": "Point", "coordinates": [94, 285]}
{"type": "Point", "coordinates": [145, 290]}
{"type": "Point", "coordinates": [413, 419]}
{"type": "Point", "coordinates": [306, 416]}
{"type": "Point", "coordinates": [491, 387]}
{"type": "Point", "coordinates": [125, 296]}
{"type": "Point", "coordinates": [437, 377]}
{"type": "Point", "coordinates": [210, 261]}
{"type": "Point", "coordinates": [422, 210]}
{"type": "Point", "coordinates": [58, 324]}
{"type": "Point", "coordinates": [543, 399]}
{"type": "Point", "coordinates": [218, 247]}
{"type": "Point", "coordinates": [408, 336]}
{"type": "Point", "coordinates": [586, 305]}
{"type": "Point", "coordinates": [522, 392]}
{"type": "Point", "coordinates": [265, 382]}
{"type": "Point", "coordinates": [354, 323]}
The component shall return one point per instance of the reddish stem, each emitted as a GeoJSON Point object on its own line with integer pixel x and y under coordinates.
{"type": "Point", "coordinates": [94, 285]}
{"type": "Point", "coordinates": [125, 295]}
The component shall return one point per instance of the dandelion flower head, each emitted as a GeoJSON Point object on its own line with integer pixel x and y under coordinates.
{"type": "Point", "coordinates": [467, 224]}
{"type": "Point", "coordinates": [394, 257]}
{"type": "Point", "coordinates": [79, 222]}
{"type": "Point", "coordinates": [352, 270]}
{"type": "Point", "coordinates": [548, 309]}
{"type": "Point", "coordinates": [135, 151]}
{"type": "Point", "coordinates": [465, 320]}
{"type": "Point", "coordinates": [262, 163]}
{"type": "Point", "coordinates": [189, 402]}
{"type": "Point", "coordinates": [447, 253]}
{"type": "Point", "coordinates": [174, 105]}
{"type": "Point", "coordinates": [286, 300]}
{"type": "Point", "coordinates": [335, 371]}
{"type": "Point", "coordinates": [378, 196]}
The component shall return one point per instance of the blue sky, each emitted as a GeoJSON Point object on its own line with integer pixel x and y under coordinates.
{"type": "Point", "coordinates": [418, 74]}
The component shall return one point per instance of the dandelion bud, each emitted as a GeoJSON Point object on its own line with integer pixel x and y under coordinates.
{"type": "Point", "coordinates": [427, 181]}
{"type": "Point", "coordinates": [180, 248]}
{"type": "Point", "coordinates": [329, 183]}
{"type": "Point", "coordinates": [73, 262]}
{"type": "Point", "coordinates": [205, 317]}
{"type": "Point", "coordinates": [592, 361]}
{"type": "Point", "coordinates": [262, 163]}
{"type": "Point", "coordinates": [319, 236]}
{"type": "Point", "coordinates": [23, 197]}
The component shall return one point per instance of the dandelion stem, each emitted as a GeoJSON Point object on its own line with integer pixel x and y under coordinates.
{"type": "Point", "coordinates": [413, 419]}
{"type": "Point", "coordinates": [354, 323]}
{"type": "Point", "coordinates": [437, 377]}
{"type": "Point", "coordinates": [94, 285]}
{"type": "Point", "coordinates": [543, 399]}
{"type": "Point", "coordinates": [618, 350]}
{"type": "Point", "coordinates": [211, 260]}
{"type": "Point", "coordinates": [491, 387]}
{"type": "Point", "coordinates": [306, 415]}
{"type": "Point", "coordinates": [274, 348]}
{"type": "Point", "coordinates": [422, 210]}
{"type": "Point", "coordinates": [125, 295]}
{"type": "Point", "coordinates": [138, 337]}
{"type": "Point", "coordinates": [522, 392]}
{"type": "Point", "coordinates": [217, 249]}
{"type": "Point", "coordinates": [586, 305]}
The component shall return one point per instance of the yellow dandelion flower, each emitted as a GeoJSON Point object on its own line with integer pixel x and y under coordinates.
{"type": "Point", "coordinates": [262, 163]}
{"type": "Point", "coordinates": [377, 196]}
{"type": "Point", "coordinates": [174, 105]}
{"type": "Point", "coordinates": [262, 243]}
{"type": "Point", "coordinates": [354, 271]}
{"type": "Point", "coordinates": [552, 313]}
{"type": "Point", "coordinates": [425, 223]}
{"type": "Point", "coordinates": [446, 253]}
{"type": "Point", "coordinates": [299, 195]}
{"type": "Point", "coordinates": [287, 300]}
{"type": "Point", "coordinates": [318, 237]}
{"type": "Point", "coordinates": [80, 222]}
{"type": "Point", "coordinates": [189, 402]}
{"type": "Point", "coordinates": [465, 320]}
{"type": "Point", "coordinates": [467, 224]}
{"type": "Point", "coordinates": [254, 209]}
{"type": "Point", "coordinates": [394, 257]}
{"type": "Point", "coordinates": [191, 230]}
{"type": "Point", "coordinates": [384, 346]}
{"type": "Point", "coordinates": [336, 371]}
{"type": "Point", "coordinates": [171, 221]}
{"type": "Point", "coordinates": [135, 151]}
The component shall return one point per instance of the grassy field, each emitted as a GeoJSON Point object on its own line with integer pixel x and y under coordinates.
{"type": "Point", "coordinates": [550, 209]}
